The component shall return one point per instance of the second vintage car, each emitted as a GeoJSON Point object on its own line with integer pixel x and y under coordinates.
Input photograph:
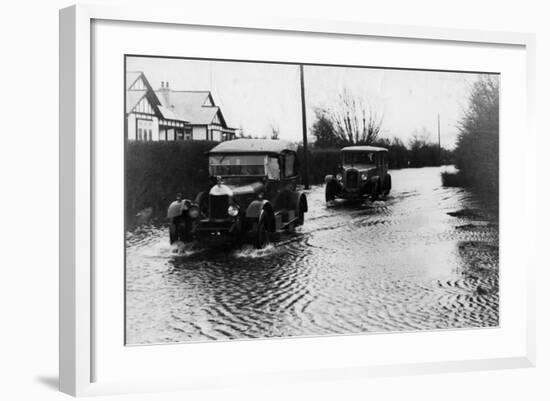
{"type": "Point", "coordinates": [363, 172]}
{"type": "Point", "coordinates": [253, 194]}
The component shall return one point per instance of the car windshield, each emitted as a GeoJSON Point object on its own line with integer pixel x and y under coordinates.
{"type": "Point", "coordinates": [353, 158]}
{"type": "Point", "coordinates": [244, 165]}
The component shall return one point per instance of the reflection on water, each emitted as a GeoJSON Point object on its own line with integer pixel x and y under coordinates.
{"type": "Point", "coordinates": [424, 258]}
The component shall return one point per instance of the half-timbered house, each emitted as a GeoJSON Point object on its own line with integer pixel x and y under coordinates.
{"type": "Point", "coordinates": [171, 115]}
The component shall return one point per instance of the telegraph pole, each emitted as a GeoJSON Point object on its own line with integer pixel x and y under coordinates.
{"type": "Point", "coordinates": [304, 128]}
{"type": "Point", "coordinates": [439, 139]}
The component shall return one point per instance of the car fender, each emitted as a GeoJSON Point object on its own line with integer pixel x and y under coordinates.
{"type": "Point", "coordinates": [178, 208]}
{"type": "Point", "coordinates": [298, 199]}
{"type": "Point", "coordinates": [329, 178]}
{"type": "Point", "coordinates": [371, 182]}
{"type": "Point", "coordinates": [373, 179]}
{"type": "Point", "coordinates": [254, 210]}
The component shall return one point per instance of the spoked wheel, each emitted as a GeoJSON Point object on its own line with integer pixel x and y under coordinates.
{"type": "Point", "coordinates": [388, 185]}
{"type": "Point", "coordinates": [260, 235]}
{"type": "Point", "coordinates": [202, 201]}
{"type": "Point", "coordinates": [173, 233]}
{"type": "Point", "coordinates": [300, 219]}
{"type": "Point", "coordinates": [330, 192]}
{"type": "Point", "coordinates": [180, 230]}
{"type": "Point", "coordinates": [375, 192]}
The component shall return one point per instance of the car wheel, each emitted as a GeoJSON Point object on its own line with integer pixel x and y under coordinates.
{"type": "Point", "coordinates": [202, 201]}
{"type": "Point", "coordinates": [300, 219]}
{"type": "Point", "coordinates": [185, 231]}
{"type": "Point", "coordinates": [330, 192]}
{"type": "Point", "coordinates": [388, 185]}
{"type": "Point", "coordinates": [261, 235]}
{"type": "Point", "coordinates": [375, 191]}
{"type": "Point", "coordinates": [173, 233]}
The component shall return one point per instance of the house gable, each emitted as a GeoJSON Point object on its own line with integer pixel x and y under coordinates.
{"type": "Point", "coordinates": [138, 84]}
{"type": "Point", "coordinates": [144, 107]}
{"type": "Point", "coordinates": [216, 119]}
{"type": "Point", "coordinates": [209, 101]}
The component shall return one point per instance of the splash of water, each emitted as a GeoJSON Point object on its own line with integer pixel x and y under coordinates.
{"type": "Point", "coordinates": [249, 251]}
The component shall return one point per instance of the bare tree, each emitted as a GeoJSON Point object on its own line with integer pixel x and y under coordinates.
{"type": "Point", "coordinates": [353, 121]}
{"type": "Point", "coordinates": [275, 131]}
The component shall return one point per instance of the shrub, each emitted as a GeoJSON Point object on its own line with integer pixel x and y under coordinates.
{"type": "Point", "coordinates": [157, 171]}
{"type": "Point", "coordinates": [452, 179]}
{"type": "Point", "coordinates": [321, 162]}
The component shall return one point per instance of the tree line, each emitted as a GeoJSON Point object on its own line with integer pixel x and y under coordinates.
{"type": "Point", "coordinates": [477, 148]}
{"type": "Point", "coordinates": [351, 122]}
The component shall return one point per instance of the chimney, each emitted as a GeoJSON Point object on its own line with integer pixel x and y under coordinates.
{"type": "Point", "coordinates": [164, 92]}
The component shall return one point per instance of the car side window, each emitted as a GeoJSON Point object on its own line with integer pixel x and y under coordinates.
{"type": "Point", "coordinates": [273, 170]}
{"type": "Point", "coordinates": [289, 163]}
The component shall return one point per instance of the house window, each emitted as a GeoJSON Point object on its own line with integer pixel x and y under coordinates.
{"type": "Point", "coordinates": [139, 134]}
{"type": "Point", "coordinates": [179, 135]}
{"type": "Point", "coordinates": [216, 135]}
{"type": "Point", "coordinates": [188, 134]}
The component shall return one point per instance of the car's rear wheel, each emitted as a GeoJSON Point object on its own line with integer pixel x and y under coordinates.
{"type": "Point", "coordinates": [173, 233]}
{"type": "Point", "coordinates": [300, 219]}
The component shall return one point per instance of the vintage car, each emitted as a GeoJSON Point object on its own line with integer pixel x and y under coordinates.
{"type": "Point", "coordinates": [252, 195]}
{"type": "Point", "coordinates": [363, 172]}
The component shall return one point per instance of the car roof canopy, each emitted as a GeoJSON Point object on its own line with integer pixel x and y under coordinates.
{"type": "Point", "coordinates": [254, 146]}
{"type": "Point", "coordinates": [363, 149]}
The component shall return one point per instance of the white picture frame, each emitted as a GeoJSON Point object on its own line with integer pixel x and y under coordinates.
{"type": "Point", "coordinates": [78, 351]}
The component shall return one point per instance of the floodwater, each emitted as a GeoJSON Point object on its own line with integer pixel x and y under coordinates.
{"type": "Point", "coordinates": [424, 258]}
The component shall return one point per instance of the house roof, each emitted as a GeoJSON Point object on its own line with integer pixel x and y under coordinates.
{"type": "Point", "coordinates": [193, 107]}
{"type": "Point", "coordinates": [190, 106]}
{"type": "Point", "coordinates": [364, 149]}
{"type": "Point", "coordinates": [131, 77]}
{"type": "Point", "coordinates": [132, 99]}
{"type": "Point", "coordinates": [254, 146]}
{"type": "Point", "coordinates": [168, 114]}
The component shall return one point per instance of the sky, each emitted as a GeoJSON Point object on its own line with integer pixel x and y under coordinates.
{"type": "Point", "coordinates": [260, 97]}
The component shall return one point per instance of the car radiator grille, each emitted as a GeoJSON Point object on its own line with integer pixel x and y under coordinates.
{"type": "Point", "coordinates": [218, 205]}
{"type": "Point", "coordinates": [352, 177]}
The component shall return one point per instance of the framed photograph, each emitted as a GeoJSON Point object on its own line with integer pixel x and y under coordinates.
{"type": "Point", "coordinates": [270, 200]}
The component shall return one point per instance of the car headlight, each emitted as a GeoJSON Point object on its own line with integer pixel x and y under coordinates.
{"type": "Point", "coordinates": [339, 177]}
{"type": "Point", "coordinates": [363, 177]}
{"type": "Point", "coordinates": [193, 212]}
{"type": "Point", "coordinates": [232, 210]}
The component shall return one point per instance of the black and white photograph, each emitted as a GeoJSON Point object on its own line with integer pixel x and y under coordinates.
{"type": "Point", "coordinates": [277, 200]}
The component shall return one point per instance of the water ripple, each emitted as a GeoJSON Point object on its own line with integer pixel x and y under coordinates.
{"type": "Point", "coordinates": [425, 257]}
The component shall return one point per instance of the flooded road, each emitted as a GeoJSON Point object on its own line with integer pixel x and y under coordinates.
{"type": "Point", "coordinates": [426, 257]}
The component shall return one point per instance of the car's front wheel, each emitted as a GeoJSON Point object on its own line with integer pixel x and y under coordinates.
{"type": "Point", "coordinates": [375, 191]}
{"type": "Point", "coordinates": [260, 235]}
{"type": "Point", "coordinates": [180, 230]}
{"type": "Point", "coordinates": [388, 185]}
{"type": "Point", "coordinates": [330, 191]}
